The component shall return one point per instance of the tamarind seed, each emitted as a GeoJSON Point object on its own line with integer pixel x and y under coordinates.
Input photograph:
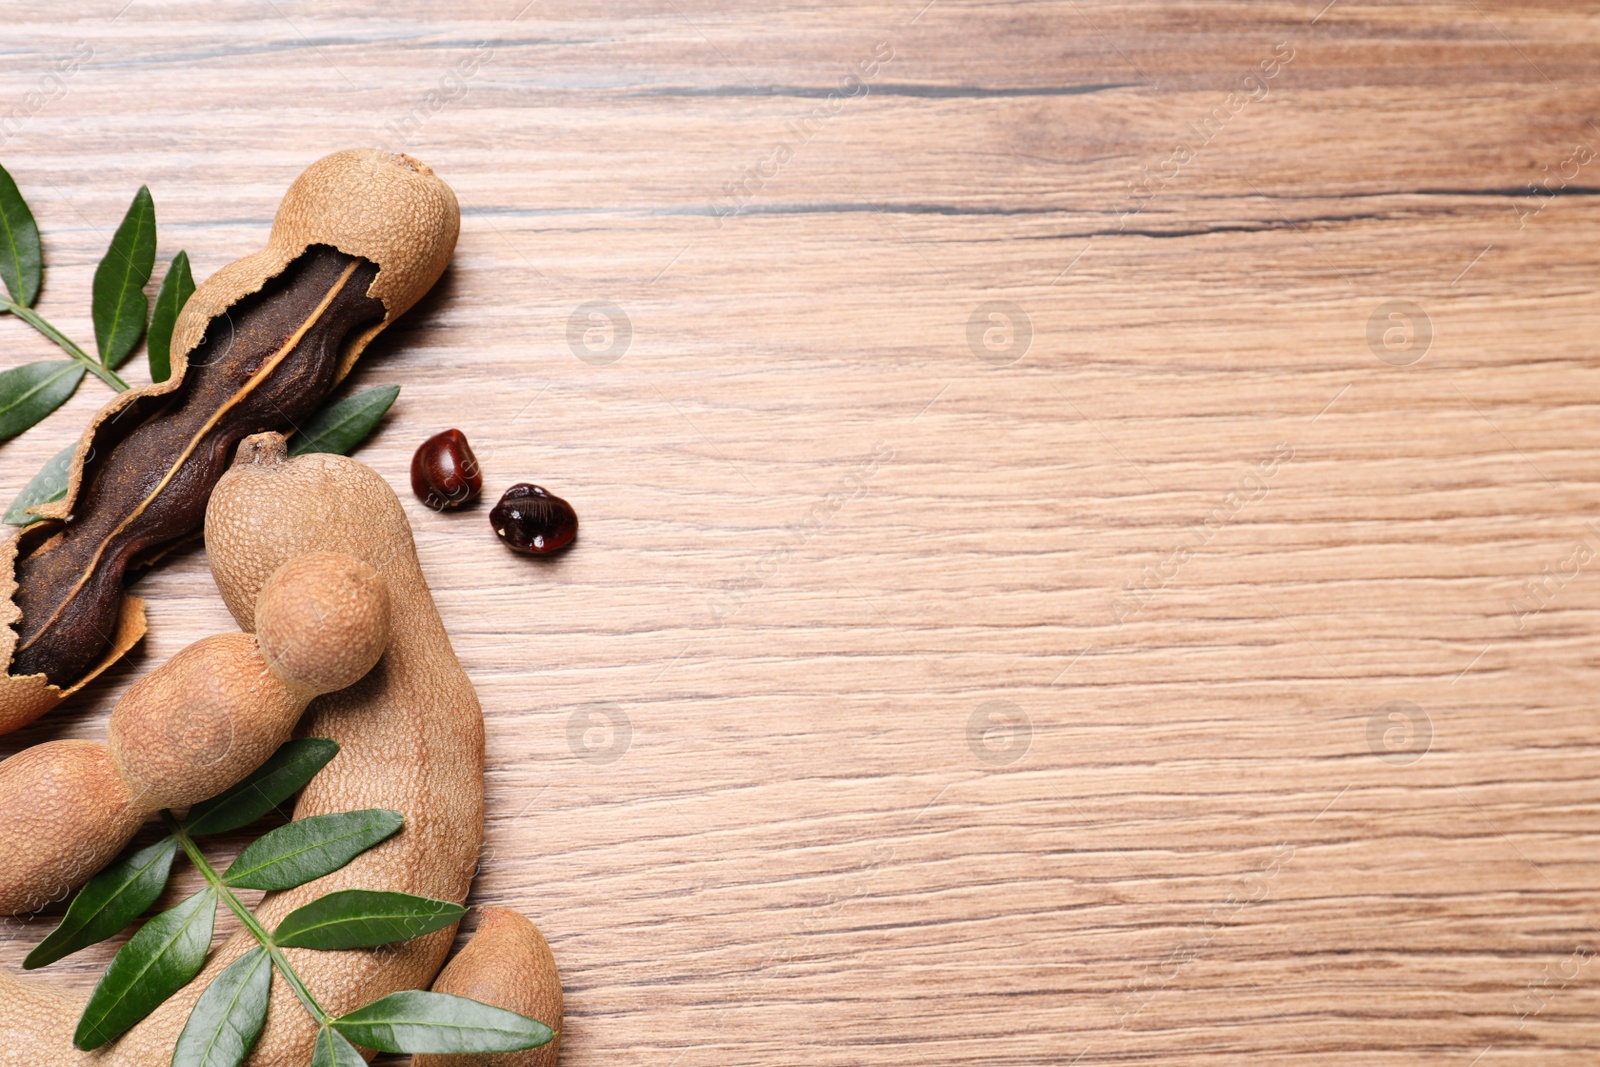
{"type": "Point", "coordinates": [531, 519]}
{"type": "Point", "coordinates": [444, 472]}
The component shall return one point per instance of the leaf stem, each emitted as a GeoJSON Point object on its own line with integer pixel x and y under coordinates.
{"type": "Point", "coordinates": [95, 367]}
{"type": "Point", "coordinates": [235, 905]}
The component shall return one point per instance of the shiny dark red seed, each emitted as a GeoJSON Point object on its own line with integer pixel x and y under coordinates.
{"type": "Point", "coordinates": [534, 520]}
{"type": "Point", "coordinates": [444, 472]}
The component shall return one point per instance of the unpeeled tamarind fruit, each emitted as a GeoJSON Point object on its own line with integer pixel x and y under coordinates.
{"type": "Point", "coordinates": [507, 964]}
{"type": "Point", "coordinates": [360, 236]}
{"type": "Point", "coordinates": [189, 729]}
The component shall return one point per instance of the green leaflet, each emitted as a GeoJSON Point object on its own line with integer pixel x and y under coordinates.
{"type": "Point", "coordinates": [340, 427]}
{"type": "Point", "coordinates": [21, 254]}
{"type": "Point", "coordinates": [49, 484]}
{"type": "Point", "coordinates": [30, 392]}
{"type": "Point", "coordinates": [120, 306]}
{"type": "Point", "coordinates": [176, 288]}
{"type": "Point", "coordinates": [109, 901]}
{"type": "Point", "coordinates": [229, 1015]}
{"type": "Point", "coordinates": [158, 961]}
{"type": "Point", "coordinates": [364, 918]}
{"type": "Point", "coordinates": [417, 1021]}
{"type": "Point", "coordinates": [309, 848]}
{"type": "Point", "coordinates": [276, 780]}
{"type": "Point", "coordinates": [334, 1051]}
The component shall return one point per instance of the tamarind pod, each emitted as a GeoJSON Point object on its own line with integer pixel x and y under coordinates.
{"type": "Point", "coordinates": [358, 239]}
{"type": "Point", "coordinates": [322, 621]}
{"type": "Point", "coordinates": [410, 736]}
{"type": "Point", "coordinates": [508, 964]}
{"type": "Point", "coordinates": [75, 804]}
{"type": "Point", "coordinates": [270, 360]}
{"type": "Point", "coordinates": [189, 729]}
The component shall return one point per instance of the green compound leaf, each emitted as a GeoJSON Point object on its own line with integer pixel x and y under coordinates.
{"type": "Point", "coordinates": [340, 427]}
{"type": "Point", "coordinates": [176, 288]}
{"type": "Point", "coordinates": [30, 392]}
{"type": "Point", "coordinates": [309, 848]}
{"type": "Point", "coordinates": [229, 1015]}
{"type": "Point", "coordinates": [158, 961]}
{"type": "Point", "coordinates": [120, 306]}
{"type": "Point", "coordinates": [49, 484]}
{"type": "Point", "coordinates": [364, 918]}
{"type": "Point", "coordinates": [334, 1051]}
{"type": "Point", "coordinates": [109, 901]}
{"type": "Point", "coordinates": [21, 254]}
{"type": "Point", "coordinates": [417, 1021]}
{"type": "Point", "coordinates": [278, 779]}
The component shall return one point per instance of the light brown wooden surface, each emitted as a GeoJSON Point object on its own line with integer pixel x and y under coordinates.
{"type": "Point", "coordinates": [820, 534]}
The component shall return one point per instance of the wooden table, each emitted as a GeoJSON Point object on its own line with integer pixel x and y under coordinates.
{"type": "Point", "coordinates": [1059, 483]}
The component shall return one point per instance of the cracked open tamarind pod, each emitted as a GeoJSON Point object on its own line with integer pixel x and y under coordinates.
{"type": "Point", "coordinates": [508, 964]}
{"type": "Point", "coordinates": [360, 236]}
{"type": "Point", "coordinates": [189, 729]}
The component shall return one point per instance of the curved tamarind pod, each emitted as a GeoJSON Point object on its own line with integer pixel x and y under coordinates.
{"type": "Point", "coordinates": [410, 735]}
{"type": "Point", "coordinates": [360, 236]}
{"type": "Point", "coordinates": [508, 964]}
{"type": "Point", "coordinates": [189, 729]}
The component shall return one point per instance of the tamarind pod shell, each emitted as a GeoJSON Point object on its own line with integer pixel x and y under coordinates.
{"type": "Point", "coordinates": [386, 208]}
{"type": "Point", "coordinates": [68, 813]}
{"type": "Point", "coordinates": [507, 964]}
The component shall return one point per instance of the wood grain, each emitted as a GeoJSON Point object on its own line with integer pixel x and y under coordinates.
{"type": "Point", "coordinates": [979, 710]}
